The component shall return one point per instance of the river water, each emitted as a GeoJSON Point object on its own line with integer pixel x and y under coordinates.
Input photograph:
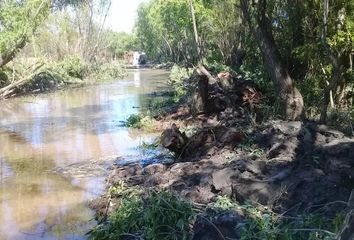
{"type": "Point", "coordinates": [78, 131]}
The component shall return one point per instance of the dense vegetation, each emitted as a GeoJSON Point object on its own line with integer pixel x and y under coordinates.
{"type": "Point", "coordinates": [298, 52]}
{"type": "Point", "coordinates": [298, 44]}
{"type": "Point", "coordinates": [305, 47]}
{"type": "Point", "coordinates": [160, 215]}
{"type": "Point", "coordinates": [46, 44]}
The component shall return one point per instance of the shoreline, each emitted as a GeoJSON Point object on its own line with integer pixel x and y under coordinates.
{"type": "Point", "coordinates": [269, 167]}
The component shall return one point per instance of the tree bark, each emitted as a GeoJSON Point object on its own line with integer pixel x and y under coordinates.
{"type": "Point", "coordinates": [7, 56]}
{"type": "Point", "coordinates": [93, 51]}
{"type": "Point", "coordinates": [202, 71]}
{"type": "Point", "coordinates": [290, 97]}
{"type": "Point", "coordinates": [9, 89]}
{"type": "Point", "coordinates": [201, 93]}
{"type": "Point", "coordinates": [195, 29]}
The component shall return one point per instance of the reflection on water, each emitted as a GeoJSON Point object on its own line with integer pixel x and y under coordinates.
{"type": "Point", "coordinates": [73, 127]}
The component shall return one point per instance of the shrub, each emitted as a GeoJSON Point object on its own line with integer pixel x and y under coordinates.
{"type": "Point", "coordinates": [270, 226]}
{"type": "Point", "coordinates": [159, 215]}
{"type": "Point", "coordinates": [179, 74]}
{"type": "Point", "coordinates": [73, 66]}
{"type": "Point", "coordinates": [177, 79]}
{"type": "Point", "coordinates": [140, 122]}
{"type": "Point", "coordinates": [342, 120]}
{"type": "Point", "coordinates": [134, 121]}
{"type": "Point", "coordinates": [107, 71]}
{"type": "Point", "coordinates": [112, 71]}
{"type": "Point", "coordinates": [167, 217]}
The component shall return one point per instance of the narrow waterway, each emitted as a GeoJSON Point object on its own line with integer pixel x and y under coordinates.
{"type": "Point", "coordinates": [79, 130]}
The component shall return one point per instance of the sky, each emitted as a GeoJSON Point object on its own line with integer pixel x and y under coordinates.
{"type": "Point", "coordinates": [122, 15]}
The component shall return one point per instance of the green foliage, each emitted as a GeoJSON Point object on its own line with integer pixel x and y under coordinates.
{"type": "Point", "coordinates": [177, 79]}
{"type": "Point", "coordinates": [158, 215]}
{"type": "Point", "coordinates": [219, 67]}
{"type": "Point", "coordinates": [106, 71]}
{"type": "Point", "coordinates": [268, 225]}
{"type": "Point", "coordinates": [140, 121]}
{"type": "Point", "coordinates": [120, 43]}
{"type": "Point", "coordinates": [179, 74]}
{"type": "Point", "coordinates": [73, 66]}
{"type": "Point", "coordinates": [145, 146]}
{"type": "Point", "coordinates": [127, 219]}
{"type": "Point", "coordinates": [164, 26]}
{"type": "Point", "coordinates": [167, 217]}
{"type": "Point", "coordinates": [18, 20]}
{"type": "Point", "coordinates": [224, 203]}
{"type": "Point", "coordinates": [134, 121]}
{"type": "Point", "coordinates": [54, 75]}
{"type": "Point", "coordinates": [160, 105]}
{"type": "Point", "coordinates": [342, 120]}
{"type": "Point", "coordinates": [4, 80]}
{"type": "Point", "coordinates": [165, 30]}
{"type": "Point", "coordinates": [252, 148]}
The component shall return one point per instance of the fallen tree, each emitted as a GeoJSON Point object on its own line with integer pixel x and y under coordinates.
{"type": "Point", "coordinates": [5, 92]}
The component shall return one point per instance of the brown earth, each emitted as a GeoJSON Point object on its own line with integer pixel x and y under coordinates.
{"type": "Point", "coordinates": [289, 167]}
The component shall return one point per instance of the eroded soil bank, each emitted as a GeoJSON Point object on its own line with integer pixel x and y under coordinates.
{"type": "Point", "coordinates": [289, 168]}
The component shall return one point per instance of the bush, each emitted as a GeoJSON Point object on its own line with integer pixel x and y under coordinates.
{"type": "Point", "coordinates": [112, 71]}
{"type": "Point", "coordinates": [179, 74]}
{"type": "Point", "coordinates": [268, 225]}
{"type": "Point", "coordinates": [73, 66]}
{"type": "Point", "coordinates": [218, 67]}
{"type": "Point", "coordinates": [107, 71]}
{"type": "Point", "coordinates": [342, 120]}
{"type": "Point", "coordinates": [140, 122]}
{"type": "Point", "coordinates": [177, 79]}
{"type": "Point", "coordinates": [134, 121]}
{"type": "Point", "coordinates": [159, 215]}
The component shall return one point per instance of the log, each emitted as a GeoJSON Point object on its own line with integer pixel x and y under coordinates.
{"type": "Point", "coordinates": [201, 70]}
{"type": "Point", "coordinates": [9, 89]}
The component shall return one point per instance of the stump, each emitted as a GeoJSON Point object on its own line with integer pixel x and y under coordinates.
{"type": "Point", "coordinates": [200, 96]}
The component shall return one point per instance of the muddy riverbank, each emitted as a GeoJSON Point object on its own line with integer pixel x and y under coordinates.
{"type": "Point", "coordinates": [287, 169]}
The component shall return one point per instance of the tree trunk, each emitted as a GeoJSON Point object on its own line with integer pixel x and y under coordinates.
{"type": "Point", "coordinates": [200, 95]}
{"type": "Point", "coordinates": [196, 36]}
{"type": "Point", "coordinates": [9, 89]}
{"type": "Point", "coordinates": [335, 60]}
{"type": "Point", "coordinates": [290, 97]}
{"type": "Point", "coordinates": [93, 51]}
{"type": "Point", "coordinates": [7, 56]}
